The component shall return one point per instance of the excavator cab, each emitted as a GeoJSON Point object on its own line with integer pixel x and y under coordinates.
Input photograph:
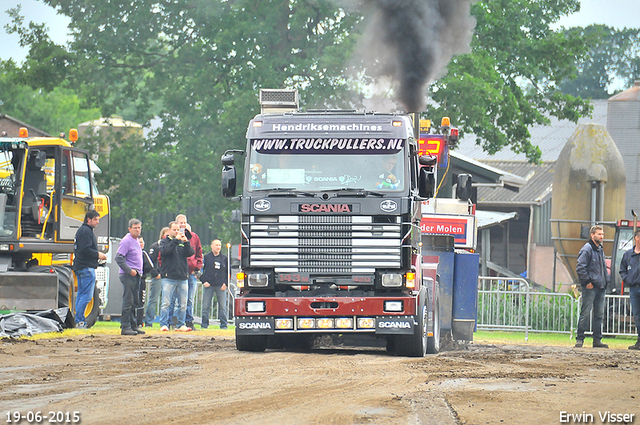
{"type": "Point", "coordinates": [46, 188]}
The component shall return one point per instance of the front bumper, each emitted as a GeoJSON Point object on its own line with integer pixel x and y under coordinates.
{"type": "Point", "coordinates": [325, 315]}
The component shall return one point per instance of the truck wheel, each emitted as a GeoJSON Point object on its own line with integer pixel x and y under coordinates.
{"type": "Point", "coordinates": [297, 341]}
{"type": "Point", "coordinates": [391, 344]}
{"type": "Point", "coordinates": [415, 345]}
{"type": "Point", "coordinates": [93, 309]}
{"type": "Point", "coordinates": [433, 342]}
{"type": "Point", "coordinates": [65, 283]}
{"type": "Point", "coordinates": [255, 343]}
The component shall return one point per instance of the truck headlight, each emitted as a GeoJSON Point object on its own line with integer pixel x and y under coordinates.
{"type": "Point", "coordinates": [255, 307]}
{"type": "Point", "coordinates": [284, 323]}
{"type": "Point", "coordinates": [259, 280]}
{"type": "Point", "coordinates": [392, 280]}
{"type": "Point", "coordinates": [393, 306]}
{"type": "Point", "coordinates": [324, 323]}
{"type": "Point", "coordinates": [366, 323]}
{"type": "Point", "coordinates": [306, 323]}
{"type": "Point", "coordinates": [344, 323]}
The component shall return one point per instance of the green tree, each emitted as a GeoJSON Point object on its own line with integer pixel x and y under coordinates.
{"type": "Point", "coordinates": [54, 111]}
{"type": "Point", "coordinates": [191, 71]}
{"type": "Point", "coordinates": [613, 58]}
{"type": "Point", "coordinates": [511, 78]}
{"type": "Point", "coordinates": [199, 63]}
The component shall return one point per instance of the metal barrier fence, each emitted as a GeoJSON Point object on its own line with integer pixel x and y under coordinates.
{"type": "Point", "coordinates": [197, 303]}
{"type": "Point", "coordinates": [509, 304]}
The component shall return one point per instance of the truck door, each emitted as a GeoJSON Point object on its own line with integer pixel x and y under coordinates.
{"type": "Point", "coordinates": [76, 191]}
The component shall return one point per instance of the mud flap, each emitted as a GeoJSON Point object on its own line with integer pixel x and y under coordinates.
{"type": "Point", "coordinates": [28, 291]}
{"type": "Point", "coordinates": [249, 325]}
{"type": "Point", "coordinates": [395, 325]}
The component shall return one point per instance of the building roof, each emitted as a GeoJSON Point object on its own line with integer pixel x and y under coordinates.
{"type": "Point", "coordinates": [12, 125]}
{"type": "Point", "coordinates": [551, 139]}
{"type": "Point", "coordinates": [491, 218]}
{"type": "Point", "coordinates": [630, 95]}
{"type": "Point", "coordinates": [484, 172]}
{"type": "Point", "coordinates": [536, 190]}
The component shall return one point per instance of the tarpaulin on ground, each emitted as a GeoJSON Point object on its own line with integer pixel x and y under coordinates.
{"type": "Point", "coordinates": [28, 324]}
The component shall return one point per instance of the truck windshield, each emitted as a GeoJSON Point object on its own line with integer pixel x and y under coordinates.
{"type": "Point", "coordinates": [318, 172]}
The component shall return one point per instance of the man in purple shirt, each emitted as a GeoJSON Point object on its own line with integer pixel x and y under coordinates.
{"type": "Point", "coordinates": [129, 259]}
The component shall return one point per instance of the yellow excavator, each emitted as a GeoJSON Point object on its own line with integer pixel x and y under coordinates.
{"type": "Point", "coordinates": [46, 187]}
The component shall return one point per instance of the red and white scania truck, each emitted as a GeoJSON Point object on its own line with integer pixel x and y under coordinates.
{"type": "Point", "coordinates": [332, 234]}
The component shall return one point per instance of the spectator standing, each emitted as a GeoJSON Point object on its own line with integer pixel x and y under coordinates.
{"type": "Point", "coordinates": [155, 287]}
{"type": "Point", "coordinates": [129, 259]}
{"type": "Point", "coordinates": [630, 272]}
{"type": "Point", "coordinates": [148, 268]}
{"type": "Point", "coordinates": [593, 277]}
{"type": "Point", "coordinates": [174, 269]}
{"type": "Point", "coordinates": [215, 280]}
{"type": "Point", "coordinates": [195, 265]}
{"type": "Point", "coordinates": [85, 262]}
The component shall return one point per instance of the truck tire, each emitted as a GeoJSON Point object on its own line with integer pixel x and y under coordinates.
{"type": "Point", "coordinates": [415, 345]}
{"type": "Point", "coordinates": [255, 343]}
{"type": "Point", "coordinates": [297, 341]}
{"type": "Point", "coordinates": [392, 344]}
{"type": "Point", "coordinates": [93, 309]}
{"type": "Point", "coordinates": [433, 342]}
{"type": "Point", "coordinates": [65, 283]}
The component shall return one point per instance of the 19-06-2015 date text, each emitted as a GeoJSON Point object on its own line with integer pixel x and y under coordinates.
{"type": "Point", "coordinates": [50, 417]}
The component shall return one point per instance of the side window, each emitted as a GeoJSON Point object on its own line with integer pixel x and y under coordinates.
{"type": "Point", "coordinates": [50, 174]}
{"type": "Point", "coordinates": [65, 173]}
{"type": "Point", "coordinates": [75, 177]}
{"type": "Point", "coordinates": [81, 178]}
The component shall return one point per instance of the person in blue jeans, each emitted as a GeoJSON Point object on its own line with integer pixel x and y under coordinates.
{"type": "Point", "coordinates": [630, 273]}
{"type": "Point", "coordinates": [593, 276]}
{"type": "Point", "coordinates": [85, 262]}
{"type": "Point", "coordinates": [214, 279]}
{"type": "Point", "coordinates": [155, 287]}
{"type": "Point", "coordinates": [195, 265]}
{"type": "Point", "coordinates": [174, 269]}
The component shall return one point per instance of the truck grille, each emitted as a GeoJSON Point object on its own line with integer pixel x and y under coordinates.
{"type": "Point", "coordinates": [324, 244]}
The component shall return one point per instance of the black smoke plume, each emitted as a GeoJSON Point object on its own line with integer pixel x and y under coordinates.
{"type": "Point", "coordinates": [412, 41]}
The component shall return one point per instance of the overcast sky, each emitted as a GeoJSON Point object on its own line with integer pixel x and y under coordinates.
{"type": "Point", "coordinates": [615, 13]}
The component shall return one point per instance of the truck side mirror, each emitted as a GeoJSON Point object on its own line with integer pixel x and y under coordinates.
{"type": "Point", "coordinates": [426, 183]}
{"type": "Point", "coordinates": [228, 176]}
{"type": "Point", "coordinates": [428, 160]}
{"type": "Point", "coordinates": [463, 188]}
{"type": "Point", "coordinates": [37, 159]}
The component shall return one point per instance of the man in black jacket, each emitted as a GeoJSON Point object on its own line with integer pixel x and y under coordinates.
{"type": "Point", "coordinates": [85, 262]}
{"type": "Point", "coordinates": [630, 272]}
{"type": "Point", "coordinates": [214, 280]}
{"type": "Point", "coordinates": [155, 286]}
{"type": "Point", "coordinates": [593, 275]}
{"type": "Point", "coordinates": [174, 269]}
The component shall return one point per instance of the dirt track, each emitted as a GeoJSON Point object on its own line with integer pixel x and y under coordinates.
{"type": "Point", "coordinates": [195, 379]}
